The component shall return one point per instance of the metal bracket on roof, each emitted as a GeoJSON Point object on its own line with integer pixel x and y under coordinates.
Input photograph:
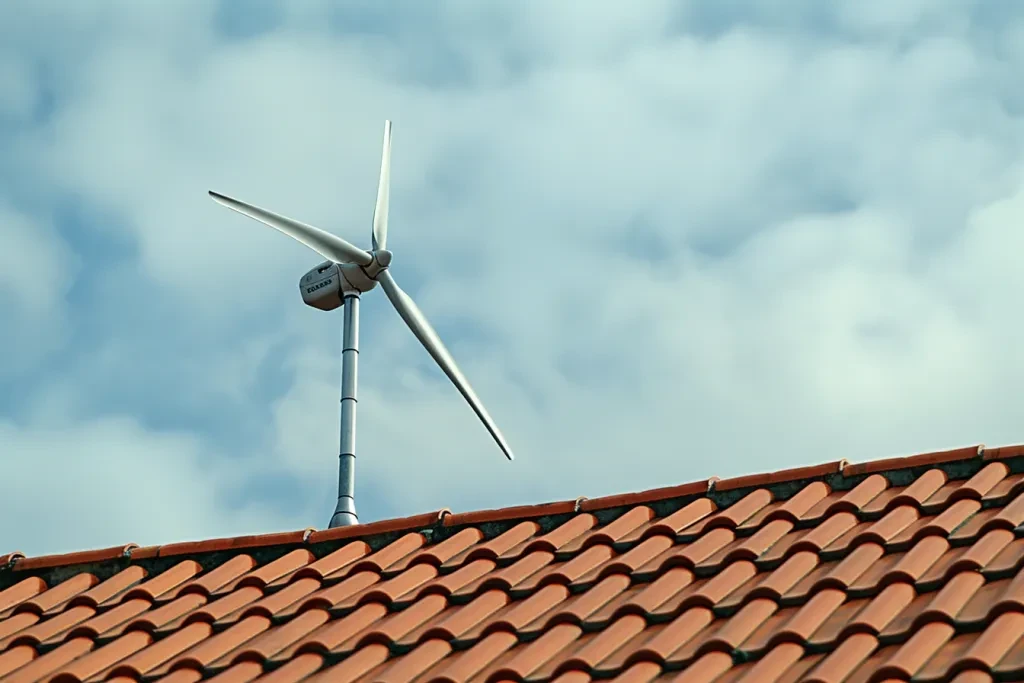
{"type": "Point", "coordinates": [578, 505]}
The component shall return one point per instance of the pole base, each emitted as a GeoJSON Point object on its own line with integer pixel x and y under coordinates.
{"type": "Point", "coordinates": [344, 513]}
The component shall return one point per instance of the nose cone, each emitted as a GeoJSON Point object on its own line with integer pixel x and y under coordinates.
{"type": "Point", "coordinates": [383, 258]}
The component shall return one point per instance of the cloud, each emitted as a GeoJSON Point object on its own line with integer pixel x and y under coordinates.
{"type": "Point", "coordinates": [110, 481]}
{"type": "Point", "coordinates": [18, 90]}
{"type": "Point", "coordinates": [666, 243]}
{"type": "Point", "coordinates": [34, 269]}
{"type": "Point", "coordinates": [36, 272]}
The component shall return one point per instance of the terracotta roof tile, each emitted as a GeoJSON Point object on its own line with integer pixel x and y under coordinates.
{"type": "Point", "coordinates": [632, 499]}
{"type": "Point", "coordinates": [761, 480]}
{"type": "Point", "coordinates": [1002, 452]}
{"type": "Point", "coordinates": [887, 570]}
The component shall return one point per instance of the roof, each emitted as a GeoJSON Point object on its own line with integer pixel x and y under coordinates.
{"type": "Point", "coordinates": [840, 572]}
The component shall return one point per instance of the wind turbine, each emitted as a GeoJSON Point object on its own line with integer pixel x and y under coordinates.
{"type": "Point", "coordinates": [349, 273]}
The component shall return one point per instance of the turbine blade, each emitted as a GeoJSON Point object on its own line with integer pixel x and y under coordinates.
{"type": "Point", "coordinates": [324, 243]}
{"type": "Point", "coordinates": [417, 322]}
{"type": "Point", "coordinates": [380, 211]}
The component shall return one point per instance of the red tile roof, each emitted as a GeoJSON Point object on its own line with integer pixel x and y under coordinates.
{"type": "Point", "coordinates": [866, 572]}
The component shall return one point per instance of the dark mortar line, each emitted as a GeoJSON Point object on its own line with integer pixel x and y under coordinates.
{"type": "Point", "coordinates": [213, 559]}
{"type": "Point", "coordinates": [272, 664]}
{"type": "Point", "coordinates": [962, 541]}
{"type": "Point", "coordinates": [1012, 675]}
{"type": "Point", "coordinates": [103, 570]}
{"type": "Point", "coordinates": [212, 670]}
{"type": "Point", "coordinates": [332, 659]}
{"type": "Point", "coordinates": [1014, 464]}
{"type": "Point", "coordinates": [989, 503]}
{"type": "Point", "coordinates": [961, 525]}
{"type": "Point", "coordinates": [961, 627]}
{"type": "Point", "coordinates": [490, 530]}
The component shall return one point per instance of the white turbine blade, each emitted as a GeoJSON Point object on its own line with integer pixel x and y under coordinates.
{"type": "Point", "coordinates": [380, 211]}
{"type": "Point", "coordinates": [417, 322]}
{"type": "Point", "coordinates": [324, 243]}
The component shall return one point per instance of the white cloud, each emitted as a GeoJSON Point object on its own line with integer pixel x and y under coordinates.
{"type": "Point", "coordinates": [659, 252]}
{"type": "Point", "coordinates": [35, 264]}
{"type": "Point", "coordinates": [110, 481]}
{"type": "Point", "coordinates": [37, 269]}
{"type": "Point", "coordinates": [17, 90]}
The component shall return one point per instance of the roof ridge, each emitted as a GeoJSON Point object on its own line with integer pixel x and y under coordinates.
{"type": "Point", "coordinates": [440, 524]}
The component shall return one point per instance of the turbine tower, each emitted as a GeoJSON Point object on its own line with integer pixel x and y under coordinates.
{"type": "Point", "coordinates": [340, 281]}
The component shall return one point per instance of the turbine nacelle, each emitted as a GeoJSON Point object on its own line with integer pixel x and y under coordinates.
{"type": "Point", "coordinates": [321, 287]}
{"type": "Point", "coordinates": [325, 286]}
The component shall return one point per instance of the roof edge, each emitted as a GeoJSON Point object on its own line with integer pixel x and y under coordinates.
{"type": "Point", "coordinates": [440, 524]}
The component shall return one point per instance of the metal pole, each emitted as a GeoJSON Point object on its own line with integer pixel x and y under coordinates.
{"type": "Point", "coordinates": [345, 510]}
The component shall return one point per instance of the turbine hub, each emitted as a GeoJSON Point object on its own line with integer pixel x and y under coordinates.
{"type": "Point", "coordinates": [382, 257]}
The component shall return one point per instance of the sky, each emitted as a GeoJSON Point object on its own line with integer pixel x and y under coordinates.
{"type": "Point", "coordinates": [665, 240]}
